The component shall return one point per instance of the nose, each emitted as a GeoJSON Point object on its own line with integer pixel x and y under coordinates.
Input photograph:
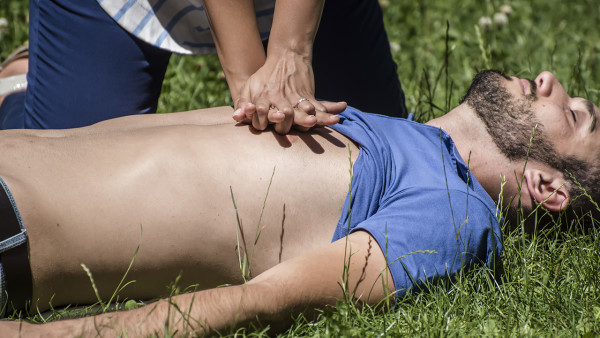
{"type": "Point", "coordinates": [545, 83]}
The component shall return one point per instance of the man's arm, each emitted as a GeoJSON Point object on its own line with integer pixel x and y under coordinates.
{"type": "Point", "coordinates": [300, 284]}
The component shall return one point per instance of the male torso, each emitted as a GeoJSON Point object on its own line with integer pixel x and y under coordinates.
{"type": "Point", "coordinates": [95, 197]}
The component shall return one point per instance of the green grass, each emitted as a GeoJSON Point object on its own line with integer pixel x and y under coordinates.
{"type": "Point", "coordinates": [550, 283]}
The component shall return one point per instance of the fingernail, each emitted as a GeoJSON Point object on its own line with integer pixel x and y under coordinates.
{"type": "Point", "coordinates": [237, 112]}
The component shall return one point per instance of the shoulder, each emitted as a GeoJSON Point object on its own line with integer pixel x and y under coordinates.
{"type": "Point", "coordinates": [373, 129]}
{"type": "Point", "coordinates": [434, 233]}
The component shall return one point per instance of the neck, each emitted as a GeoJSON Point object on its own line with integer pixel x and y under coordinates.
{"type": "Point", "coordinates": [474, 144]}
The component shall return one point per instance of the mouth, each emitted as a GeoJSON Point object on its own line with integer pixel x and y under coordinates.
{"type": "Point", "coordinates": [525, 86]}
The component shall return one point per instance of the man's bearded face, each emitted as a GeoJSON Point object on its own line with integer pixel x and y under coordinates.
{"type": "Point", "coordinates": [509, 120]}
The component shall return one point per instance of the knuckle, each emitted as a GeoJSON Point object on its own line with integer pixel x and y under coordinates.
{"type": "Point", "coordinates": [262, 108]}
{"type": "Point", "coordinates": [307, 106]}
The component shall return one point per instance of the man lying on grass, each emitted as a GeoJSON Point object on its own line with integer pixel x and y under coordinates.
{"type": "Point", "coordinates": [193, 198]}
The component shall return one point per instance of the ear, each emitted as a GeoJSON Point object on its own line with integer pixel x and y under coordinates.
{"type": "Point", "coordinates": [547, 187]}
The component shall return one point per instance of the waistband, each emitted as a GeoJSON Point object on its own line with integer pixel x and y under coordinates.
{"type": "Point", "coordinates": [14, 254]}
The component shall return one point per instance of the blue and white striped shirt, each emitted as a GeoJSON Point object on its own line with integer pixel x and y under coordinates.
{"type": "Point", "coordinates": [180, 26]}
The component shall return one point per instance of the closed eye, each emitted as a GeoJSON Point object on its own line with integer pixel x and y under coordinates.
{"type": "Point", "coordinates": [574, 115]}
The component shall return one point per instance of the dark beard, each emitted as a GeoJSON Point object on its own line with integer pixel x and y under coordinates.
{"type": "Point", "coordinates": [509, 121]}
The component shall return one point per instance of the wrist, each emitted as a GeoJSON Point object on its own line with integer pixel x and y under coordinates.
{"type": "Point", "coordinates": [235, 84]}
{"type": "Point", "coordinates": [290, 49]}
{"type": "Point", "coordinates": [281, 55]}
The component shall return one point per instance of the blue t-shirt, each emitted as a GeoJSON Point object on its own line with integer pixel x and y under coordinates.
{"type": "Point", "coordinates": [414, 194]}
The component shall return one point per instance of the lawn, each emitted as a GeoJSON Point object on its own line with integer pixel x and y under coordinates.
{"type": "Point", "coordinates": [550, 282]}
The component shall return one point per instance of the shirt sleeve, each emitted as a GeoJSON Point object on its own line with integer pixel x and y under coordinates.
{"type": "Point", "coordinates": [427, 234]}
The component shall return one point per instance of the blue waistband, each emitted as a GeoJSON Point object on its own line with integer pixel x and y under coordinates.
{"type": "Point", "coordinates": [20, 238]}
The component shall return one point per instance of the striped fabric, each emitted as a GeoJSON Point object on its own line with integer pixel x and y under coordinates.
{"type": "Point", "coordinates": [180, 26]}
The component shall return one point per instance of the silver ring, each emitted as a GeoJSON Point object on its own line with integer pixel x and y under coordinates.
{"type": "Point", "coordinates": [300, 101]}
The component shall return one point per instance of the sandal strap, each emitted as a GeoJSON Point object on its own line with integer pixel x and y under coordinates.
{"type": "Point", "coordinates": [19, 53]}
{"type": "Point", "coordinates": [12, 84]}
